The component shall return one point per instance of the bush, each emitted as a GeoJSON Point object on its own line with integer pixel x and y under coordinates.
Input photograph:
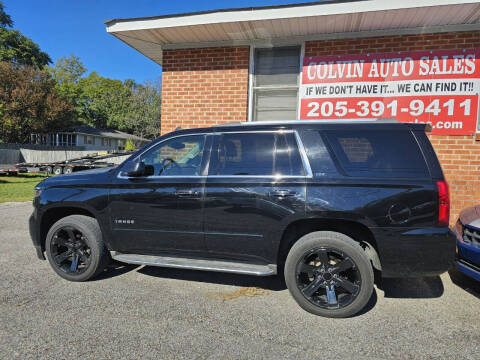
{"type": "Point", "coordinates": [129, 145]}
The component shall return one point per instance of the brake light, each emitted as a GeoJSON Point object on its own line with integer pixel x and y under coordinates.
{"type": "Point", "coordinates": [443, 203]}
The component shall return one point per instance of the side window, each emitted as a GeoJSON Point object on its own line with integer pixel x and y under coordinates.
{"type": "Point", "coordinates": [261, 154]}
{"type": "Point", "coordinates": [180, 156]}
{"type": "Point", "coordinates": [378, 153]}
{"type": "Point", "coordinates": [318, 155]}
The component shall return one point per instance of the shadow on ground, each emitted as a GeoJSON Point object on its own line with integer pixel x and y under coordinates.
{"type": "Point", "coordinates": [412, 288]}
{"type": "Point", "coordinates": [115, 269]}
{"type": "Point", "coordinates": [469, 285]}
{"type": "Point", "coordinates": [269, 283]}
{"type": "Point", "coordinates": [274, 283]}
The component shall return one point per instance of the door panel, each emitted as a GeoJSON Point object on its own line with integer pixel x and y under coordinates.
{"type": "Point", "coordinates": [244, 220]}
{"type": "Point", "coordinates": [162, 219]}
{"type": "Point", "coordinates": [164, 212]}
{"type": "Point", "coordinates": [255, 187]}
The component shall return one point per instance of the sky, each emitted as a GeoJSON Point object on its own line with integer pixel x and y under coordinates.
{"type": "Point", "coordinates": [64, 27]}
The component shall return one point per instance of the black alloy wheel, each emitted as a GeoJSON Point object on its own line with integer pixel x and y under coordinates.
{"type": "Point", "coordinates": [75, 248]}
{"type": "Point", "coordinates": [328, 278]}
{"type": "Point", "coordinates": [70, 251]}
{"type": "Point", "coordinates": [329, 274]}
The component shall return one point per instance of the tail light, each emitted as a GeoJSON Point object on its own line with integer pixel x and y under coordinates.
{"type": "Point", "coordinates": [443, 203]}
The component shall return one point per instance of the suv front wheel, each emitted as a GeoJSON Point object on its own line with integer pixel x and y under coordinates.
{"type": "Point", "coordinates": [329, 274]}
{"type": "Point", "coordinates": [75, 248]}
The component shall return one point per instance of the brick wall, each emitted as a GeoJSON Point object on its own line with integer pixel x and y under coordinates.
{"type": "Point", "coordinates": [460, 159]}
{"type": "Point", "coordinates": [459, 40]}
{"type": "Point", "coordinates": [203, 87]}
{"type": "Point", "coordinates": [459, 155]}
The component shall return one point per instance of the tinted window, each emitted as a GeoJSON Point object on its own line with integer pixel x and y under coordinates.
{"type": "Point", "coordinates": [378, 153]}
{"type": "Point", "coordinates": [180, 156]}
{"type": "Point", "coordinates": [256, 154]}
{"type": "Point", "coordinates": [320, 159]}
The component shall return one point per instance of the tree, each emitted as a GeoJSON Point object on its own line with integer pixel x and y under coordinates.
{"type": "Point", "coordinates": [30, 104]}
{"type": "Point", "coordinates": [17, 48]}
{"type": "Point", "coordinates": [5, 19]}
{"type": "Point", "coordinates": [68, 70]}
{"type": "Point", "coordinates": [104, 102]}
{"type": "Point", "coordinates": [107, 103]}
{"type": "Point", "coordinates": [67, 73]}
{"type": "Point", "coordinates": [98, 101]}
{"type": "Point", "coordinates": [145, 110]}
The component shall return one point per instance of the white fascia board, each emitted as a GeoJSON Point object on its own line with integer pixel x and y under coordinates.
{"type": "Point", "coordinates": [277, 13]}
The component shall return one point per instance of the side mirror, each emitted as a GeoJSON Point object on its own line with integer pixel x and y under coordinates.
{"type": "Point", "coordinates": [138, 169]}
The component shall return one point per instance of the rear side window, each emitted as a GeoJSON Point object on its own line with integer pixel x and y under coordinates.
{"type": "Point", "coordinates": [379, 153]}
{"type": "Point", "coordinates": [260, 154]}
{"type": "Point", "coordinates": [320, 159]}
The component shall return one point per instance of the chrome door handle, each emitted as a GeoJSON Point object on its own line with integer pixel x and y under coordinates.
{"type": "Point", "coordinates": [192, 193]}
{"type": "Point", "coordinates": [282, 193]}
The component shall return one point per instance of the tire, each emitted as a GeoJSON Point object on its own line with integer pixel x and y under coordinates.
{"type": "Point", "coordinates": [88, 248]}
{"type": "Point", "coordinates": [48, 170]}
{"type": "Point", "coordinates": [58, 170]}
{"type": "Point", "coordinates": [305, 274]}
{"type": "Point", "coordinates": [67, 170]}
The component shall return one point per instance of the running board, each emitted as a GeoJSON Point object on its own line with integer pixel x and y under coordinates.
{"type": "Point", "coordinates": [196, 264]}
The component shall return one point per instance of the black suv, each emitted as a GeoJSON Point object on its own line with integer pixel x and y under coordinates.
{"type": "Point", "coordinates": [325, 203]}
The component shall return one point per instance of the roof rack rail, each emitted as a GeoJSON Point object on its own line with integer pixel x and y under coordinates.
{"type": "Point", "coordinates": [333, 121]}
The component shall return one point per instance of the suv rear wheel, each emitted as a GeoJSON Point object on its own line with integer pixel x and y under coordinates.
{"type": "Point", "coordinates": [75, 248]}
{"type": "Point", "coordinates": [329, 274]}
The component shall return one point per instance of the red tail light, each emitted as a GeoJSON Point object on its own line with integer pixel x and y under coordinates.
{"type": "Point", "coordinates": [443, 203]}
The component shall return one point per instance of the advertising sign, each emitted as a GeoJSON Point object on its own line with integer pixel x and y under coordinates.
{"type": "Point", "coordinates": [437, 87]}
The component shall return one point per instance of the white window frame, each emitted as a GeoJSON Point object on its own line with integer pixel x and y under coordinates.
{"type": "Point", "coordinates": [251, 73]}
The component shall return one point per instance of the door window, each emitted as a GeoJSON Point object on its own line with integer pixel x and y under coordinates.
{"type": "Point", "coordinates": [181, 156]}
{"type": "Point", "coordinates": [256, 154]}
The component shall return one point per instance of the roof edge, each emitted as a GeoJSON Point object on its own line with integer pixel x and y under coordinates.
{"type": "Point", "coordinates": [251, 8]}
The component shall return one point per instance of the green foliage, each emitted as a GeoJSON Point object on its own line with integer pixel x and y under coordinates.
{"type": "Point", "coordinates": [68, 70]}
{"type": "Point", "coordinates": [30, 104]}
{"type": "Point", "coordinates": [5, 19]}
{"type": "Point", "coordinates": [145, 110]}
{"type": "Point", "coordinates": [67, 73]}
{"type": "Point", "coordinates": [106, 103]}
{"type": "Point", "coordinates": [129, 145]}
{"type": "Point", "coordinates": [103, 102]}
{"type": "Point", "coordinates": [17, 48]}
{"type": "Point", "coordinates": [34, 101]}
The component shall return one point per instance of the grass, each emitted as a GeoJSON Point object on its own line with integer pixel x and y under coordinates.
{"type": "Point", "coordinates": [18, 188]}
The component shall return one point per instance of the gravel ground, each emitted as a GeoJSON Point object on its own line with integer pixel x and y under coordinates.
{"type": "Point", "coordinates": [153, 313]}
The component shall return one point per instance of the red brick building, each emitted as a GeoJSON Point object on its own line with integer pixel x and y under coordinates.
{"type": "Point", "coordinates": [267, 63]}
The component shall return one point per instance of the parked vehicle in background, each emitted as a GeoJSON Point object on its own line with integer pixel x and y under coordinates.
{"type": "Point", "coordinates": [467, 230]}
{"type": "Point", "coordinates": [324, 203]}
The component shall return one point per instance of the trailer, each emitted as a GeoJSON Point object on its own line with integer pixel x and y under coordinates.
{"type": "Point", "coordinates": [8, 171]}
{"type": "Point", "coordinates": [91, 161]}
